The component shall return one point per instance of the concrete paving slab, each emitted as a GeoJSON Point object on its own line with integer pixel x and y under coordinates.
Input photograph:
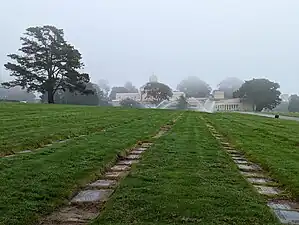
{"type": "Point", "coordinates": [287, 217]}
{"type": "Point", "coordinates": [265, 190]}
{"type": "Point", "coordinates": [120, 168]}
{"type": "Point", "coordinates": [283, 204]}
{"type": "Point", "coordinates": [71, 214]}
{"type": "Point", "coordinates": [115, 174]}
{"type": "Point", "coordinates": [136, 152]}
{"type": "Point", "coordinates": [237, 157]}
{"type": "Point", "coordinates": [252, 174]}
{"type": "Point", "coordinates": [241, 161]}
{"type": "Point", "coordinates": [146, 144]}
{"type": "Point", "coordinates": [141, 149]}
{"type": "Point", "coordinates": [133, 156]}
{"type": "Point", "coordinates": [231, 151]}
{"type": "Point", "coordinates": [254, 180]}
{"type": "Point", "coordinates": [248, 167]}
{"type": "Point", "coordinates": [92, 196]}
{"type": "Point", "coordinates": [275, 205]}
{"type": "Point", "coordinates": [103, 184]}
{"type": "Point", "coordinates": [127, 162]}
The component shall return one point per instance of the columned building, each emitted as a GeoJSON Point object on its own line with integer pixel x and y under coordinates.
{"type": "Point", "coordinates": [216, 102]}
{"type": "Point", "coordinates": [233, 104]}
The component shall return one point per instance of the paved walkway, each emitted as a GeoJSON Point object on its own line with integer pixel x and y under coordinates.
{"type": "Point", "coordinates": [272, 116]}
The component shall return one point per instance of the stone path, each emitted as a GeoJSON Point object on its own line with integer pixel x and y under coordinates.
{"type": "Point", "coordinates": [87, 204]}
{"type": "Point", "coordinates": [286, 211]}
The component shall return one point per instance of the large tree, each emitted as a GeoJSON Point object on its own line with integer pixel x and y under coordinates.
{"type": "Point", "coordinates": [115, 90]}
{"type": "Point", "coordinates": [47, 63]}
{"type": "Point", "coordinates": [261, 93]}
{"type": "Point", "coordinates": [294, 103]}
{"type": "Point", "coordinates": [182, 103]}
{"type": "Point", "coordinates": [229, 86]}
{"type": "Point", "coordinates": [129, 86]}
{"type": "Point", "coordinates": [194, 87]}
{"type": "Point", "coordinates": [156, 92]}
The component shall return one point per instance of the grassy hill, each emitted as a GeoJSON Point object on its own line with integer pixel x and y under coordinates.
{"type": "Point", "coordinates": [272, 143]}
{"type": "Point", "coordinates": [186, 177]}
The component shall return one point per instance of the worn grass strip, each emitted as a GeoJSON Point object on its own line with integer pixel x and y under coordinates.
{"type": "Point", "coordinates": [186, 179]}
{"type": "Point", "coordinates": [30, 126]}
{"type": "Point", "coordinates": [274, 144]}
{"type": "Point", "coordinates": [35, 184]}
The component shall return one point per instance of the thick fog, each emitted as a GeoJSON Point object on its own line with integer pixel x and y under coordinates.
{"type": "Point", "coordinates": [123, 40]}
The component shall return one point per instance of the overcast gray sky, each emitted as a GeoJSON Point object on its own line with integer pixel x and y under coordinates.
{"type": "Point", "coordinates": [123, 40]}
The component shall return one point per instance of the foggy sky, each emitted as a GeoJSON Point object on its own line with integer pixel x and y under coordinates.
{"type": "Point", "coordinates": [123, 40]}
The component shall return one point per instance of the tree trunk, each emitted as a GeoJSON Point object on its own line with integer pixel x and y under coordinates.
{"type": "Point", "coordinates": [50, 97]}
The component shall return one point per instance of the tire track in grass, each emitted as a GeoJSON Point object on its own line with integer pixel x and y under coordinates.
{"type": "Point", "coordinates": [186, 179]}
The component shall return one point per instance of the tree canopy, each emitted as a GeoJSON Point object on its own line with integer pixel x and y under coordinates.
{"type": "Point", "coordinates": [47, 63]}
{"type": "Point", "coordinates": [261, 93]}
{"type": "Point", "coordinates": [282, 107]}
{"type": "Point", "coordinates": [294, 103]}
{"type": "Point", "coordinates": [194, 87]}
{"type": "Point", "coordinates": [156, 92]}
{"type": "Point", "coordinates": [129, 86]}
{"type": "Point", "coordinates": [182, 103]}
{"type": "Point", "coordinates": [229, 86]}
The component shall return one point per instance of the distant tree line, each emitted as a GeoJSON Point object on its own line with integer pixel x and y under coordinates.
{"type": "Point", "coordinates": [16, 94]}
{"type": "Point", "coordinates": [46, 63]}
{"type": "Point", "coordinates": [293, 103]}
{"type": "Point", "coordinates": [95, 97]}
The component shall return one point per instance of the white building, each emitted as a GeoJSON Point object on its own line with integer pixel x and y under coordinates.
{"type": "Point", "coordinates": [123, 96]}
{"type": "Point", "coordinates": [177, 94]}
{"type": "Point", "coordinates": [218, 94]}
{"type": "Point", "coordinates": [228, 105]}
{"type": "Point", "coordinates": [233, 104]}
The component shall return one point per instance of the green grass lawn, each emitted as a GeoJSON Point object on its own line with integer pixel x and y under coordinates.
{"type": "Point", "coordinates": [35, 184]}
{"type": "Point", "coordinates": [29, 126]}
{"type": "Point", "coordinates": [186, 178]}
{"type": "Point", "coordinates": [272, 143]}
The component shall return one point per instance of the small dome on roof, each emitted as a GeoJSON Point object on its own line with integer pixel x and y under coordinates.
{"type": "Point", "coordinates": [153, 78]}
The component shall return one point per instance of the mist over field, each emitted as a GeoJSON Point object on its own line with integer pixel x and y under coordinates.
{"type": "Point", "coordinates": [129, 40]}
